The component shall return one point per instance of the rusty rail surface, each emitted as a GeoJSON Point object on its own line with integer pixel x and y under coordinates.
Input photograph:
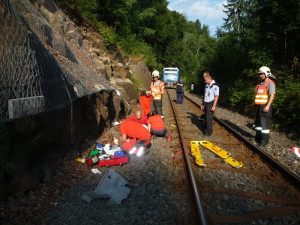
{"type": "Point", "coordinates": [200, 210]}
{"type": "Point", "coordinates": [199, 187]}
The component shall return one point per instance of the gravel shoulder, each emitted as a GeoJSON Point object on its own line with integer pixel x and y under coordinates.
{"type": "Point", "coordinates": [151, 181]}
{"type": "Point", "coordinates": [279, 146]}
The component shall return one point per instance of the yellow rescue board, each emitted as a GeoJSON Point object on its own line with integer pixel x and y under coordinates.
{"type": "Point", "coordinates": [233, 162]}
{"type": "Point", "coordinates": [222, 153]}
{"type": "Point", "coordinates": [216, 149]}
{"type": "Point", "coordinates": [195, 150]}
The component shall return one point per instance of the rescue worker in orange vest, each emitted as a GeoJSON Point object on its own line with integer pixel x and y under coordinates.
{"type": "Point", "coordinates": [135, 138]}
{"type": "Point", "coordinates": [157, 90]}
{"type": "Point", "coordinates": [157, 127]}
{"type": "Point", "coordinates": [264, 96]}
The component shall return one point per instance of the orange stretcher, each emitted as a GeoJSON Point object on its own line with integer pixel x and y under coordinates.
{"type": "Point", "coordinates": [145, 102]}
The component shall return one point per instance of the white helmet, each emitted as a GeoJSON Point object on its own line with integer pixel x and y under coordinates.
{"type": "Point", "coordinates": [265, 70]}
{"type": "Point", "coordinates": [155, 73]}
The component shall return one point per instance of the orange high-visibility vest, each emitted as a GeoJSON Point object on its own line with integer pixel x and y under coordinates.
{"type": "Point", "coordinates": [155, 91]}
{"type": "Point", "coordinates": [262, 97]}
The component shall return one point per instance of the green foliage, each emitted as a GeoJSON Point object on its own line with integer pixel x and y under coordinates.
{"type": "Point", "coordinates": [110, 38]}
{"type": "Point", "coordinates": [136, 82]}
{"type": "Point", "coordinates": [139, 48]}
{"type": "Point", "coordinates": [88, 9]}
{"type": "Point", "coordinates": [241, 96]}
{"type": "Point", "coordinates": [286, 104]}
{"type": "Point", "coordinates": [255, 33]}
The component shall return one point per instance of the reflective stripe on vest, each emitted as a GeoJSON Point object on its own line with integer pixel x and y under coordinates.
{"type": "Point", "coordinates": [261, 97]}
{"type": "Point", "coordinates": [156, 90]}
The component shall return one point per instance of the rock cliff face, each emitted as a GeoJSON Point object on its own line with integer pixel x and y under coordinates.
{"type": "Point", "coordinates": [60, 86]}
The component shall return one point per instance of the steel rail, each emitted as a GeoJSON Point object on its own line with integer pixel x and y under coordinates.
{"type": "Point", "coordinates": [200, 210]}
{"type": "Point", "coordinates": [293, 178]}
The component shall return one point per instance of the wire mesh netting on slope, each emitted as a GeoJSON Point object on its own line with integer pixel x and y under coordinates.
{"type": "Point", "coordinates": [39, 71]}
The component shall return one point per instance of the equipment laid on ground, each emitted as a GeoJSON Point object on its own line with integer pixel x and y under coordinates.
{"type": "Point", "coordinates": [215, 149]}
{"type": "Point", "coordinates": [195, 150]}
{"type": "Point", "coordinates": [222, 153]}
{"type": "Point", "coordinates": [196, 153]}
{"type": "Point", "coordinates": [114, 161]}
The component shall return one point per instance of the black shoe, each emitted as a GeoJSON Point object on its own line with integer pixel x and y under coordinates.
{"type": "Point", "coordinates": [206, 135]}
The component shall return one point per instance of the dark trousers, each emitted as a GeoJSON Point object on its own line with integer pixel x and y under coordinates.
{"type": "Point", "coordinates": [209, 116]}
{"type": "Point", "coordinates": [159, 133]}
{"type": "Point", "coordinates": [180, 97]}
{"type": "Point", "coordinates": [157, 107]}
{"type": "Point", "coordinates": [263, 125]}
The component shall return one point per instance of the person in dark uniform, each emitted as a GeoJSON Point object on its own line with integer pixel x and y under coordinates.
{"type": "Point", "coordinates": [180, 90]}
{"type": "Point", "coordinates": [210, 100]}
{"type": "Point", "coordinates": [264, 96]}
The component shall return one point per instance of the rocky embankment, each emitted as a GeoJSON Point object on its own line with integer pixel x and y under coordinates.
{"type": "Point", "coordinates": [82, 85]}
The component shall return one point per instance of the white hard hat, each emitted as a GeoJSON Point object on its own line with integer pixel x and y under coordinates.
{"type": "Point", "coordinates": [265, 70]}
{"type": "Point", "coordinates": [155, 73]}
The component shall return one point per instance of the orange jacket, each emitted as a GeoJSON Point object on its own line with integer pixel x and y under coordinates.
{"type": "Point", "coordinates": [156, 122]}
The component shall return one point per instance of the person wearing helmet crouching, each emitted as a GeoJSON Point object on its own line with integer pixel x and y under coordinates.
{"type": "Point", "coordinates": [157, 90]}
{"type": "Point", "coordinates": [264, 97]}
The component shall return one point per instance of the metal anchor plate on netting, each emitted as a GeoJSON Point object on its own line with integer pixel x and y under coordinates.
{"type": "Point", "coordinates": [112, 185]}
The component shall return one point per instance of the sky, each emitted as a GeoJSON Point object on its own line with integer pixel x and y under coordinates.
{"type": "Point", "coordinates": [209, 12]}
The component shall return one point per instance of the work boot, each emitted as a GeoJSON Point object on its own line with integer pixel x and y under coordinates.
{"type": "Point", "coordinates": [263, 144]}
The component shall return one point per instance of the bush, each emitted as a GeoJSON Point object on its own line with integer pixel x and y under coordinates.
{"type": "Point", "coordinates": [131, 45]}
{"type": "Point", "coordinates": [136, 82]}
{"type": "Point", "coordinates": [241, 97]}
{"type": "Point", "coordinates": [110, 38]}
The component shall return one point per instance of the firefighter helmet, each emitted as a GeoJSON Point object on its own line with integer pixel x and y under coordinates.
{"type": "Point", "coordinates": [265, 70]}
{"type": "Point", "coordinates": [155, 73]}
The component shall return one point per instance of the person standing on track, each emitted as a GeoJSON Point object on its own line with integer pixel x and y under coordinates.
{"type": "Point", "coordinates": [157, 90]}
{"type": "Point", "coordinates": [180, 90]}
{"type": "Point", "coordinates": [210, 100]}
{"type": "Point", "coordinates": [264, 97]}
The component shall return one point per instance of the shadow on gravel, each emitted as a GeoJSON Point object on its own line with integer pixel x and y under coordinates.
{"type": "Point", "coordinates": [238, 129]}
{"type": "Point", "coordinates": [198, 121]}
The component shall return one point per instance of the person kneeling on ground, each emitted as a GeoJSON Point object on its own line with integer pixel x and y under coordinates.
{"type": "Point", "coordinates": [140, 118]}
{"type": "Point", "coordinates": [134, 137]}
{"type": "Point", "coordinates": [157, 127]}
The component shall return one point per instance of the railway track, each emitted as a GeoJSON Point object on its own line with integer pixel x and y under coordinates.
{"type": "Point", "coordinates": [261, 191]}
